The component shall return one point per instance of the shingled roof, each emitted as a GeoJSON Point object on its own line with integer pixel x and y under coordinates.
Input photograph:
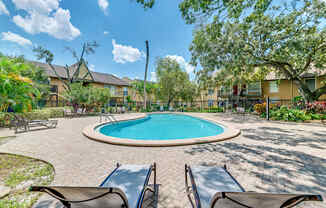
{"type": "Point", "coordinates": [98, 77]}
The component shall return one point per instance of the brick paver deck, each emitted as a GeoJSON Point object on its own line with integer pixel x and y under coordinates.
{"type": "Point", "coordinates": [266, 157]}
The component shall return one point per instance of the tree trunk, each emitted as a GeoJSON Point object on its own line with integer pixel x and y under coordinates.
{"type": "Point", "coordinates": [307, 94]}
{"type": "Point", "coordinates": [146, 69]}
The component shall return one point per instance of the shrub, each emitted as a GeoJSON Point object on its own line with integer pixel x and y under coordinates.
{"type": "Point", "coordinates": [298, 102]}
{"type": "Point", "coordinates": [215, 110]}
{"type": "Point", "coordinates": [5, 119]}
{"type": "Point", "coordinates": [286, 114]}
{"type": "Point", "coordinates": [260, 108]}
{"type": "Point", "coordinates": [316, 107]}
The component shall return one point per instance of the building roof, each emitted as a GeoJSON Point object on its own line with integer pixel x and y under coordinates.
{"type": "Point", "coordinates": [312, 72]}
{"type": "Point", "coordinates": [98, 77]}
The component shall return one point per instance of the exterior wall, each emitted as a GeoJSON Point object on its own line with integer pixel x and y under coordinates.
{"type": "Point", "coordinates": [288, 89]}
{"type": "Point", "coordinates": [60, 85]}
{"type": "Point", "coordinates": [285, 90]}
{"type": "Point", "coordinates": [320, 84]}
{"type": "Point", "coordinates": [61, 89]}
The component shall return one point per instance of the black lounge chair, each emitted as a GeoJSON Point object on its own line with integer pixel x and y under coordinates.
{"type": "Point", "coordinates": [216, 187]}
{"type": "Point", "coordinates": [125, 187]}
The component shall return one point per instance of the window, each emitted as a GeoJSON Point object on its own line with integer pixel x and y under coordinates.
{"type": "Point", "coordinates": [254, 88]}
{"type": "Point", "coordinates": [210, 103]}
{"type": "Point", "coordinates": [112, 88]}
{"type": "Point", "coordinates": [125, 91]}
{"type": "Point", "coordinates": [273, 87]}
{"type": "Point", "coordinates": [225, 90]}
{"type": "Point", "coordinates": [210, 92]}
{"type": "Point", "coordinates": [311, 84]}
{"type": "Point", "coordinates": [54, 88]}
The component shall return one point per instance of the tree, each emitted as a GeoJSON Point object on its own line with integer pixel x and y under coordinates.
{"type": "Point", "coordinates": [88, 97]}
{"type": "Point", "coordinates": [138, 86]}
{"type": "Point", "coordinates": [146, 69]}
{"type": "Point", "coordinates": [171, 80]}
{"type": "Point", "coordinates": [251, 38]}
{"type": "Point", "coordinates": [72, 75]}
{"type": "Point", "coordinates": [16, 89]}
{"type": "Point", "coordinates": [146, 3]}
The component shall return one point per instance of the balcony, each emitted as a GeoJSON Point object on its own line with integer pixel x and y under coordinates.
{"type": "Point", "coordinates": [224, 93]}
{"type": "Point", "coordinates": [119, 93]}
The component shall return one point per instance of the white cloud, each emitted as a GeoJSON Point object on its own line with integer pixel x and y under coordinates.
{"type": "Point", "coordinates": [12, 37]}
{"type": "Point", "coordinates": [103, 4]}
{"type": "Point", "coordinates": [105, 32]}
{"type": "Point", "coordinates": [91, 67]}
{"type": "Point", "coordinates": [153, 77]}
{"type": "Point", "coordinates": [3, 8]}
{"type": "Point", "coordinates": [123, 54]}
{"type": "Point", "coordinates": [39, 6]}
{"type": "Point", "coordinates": [45, 16]}
{"type": "Point", "coordinates": [185, 65]}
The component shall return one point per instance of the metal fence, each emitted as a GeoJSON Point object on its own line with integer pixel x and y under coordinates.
{"type": "Point", "coordinates": [226, 104]}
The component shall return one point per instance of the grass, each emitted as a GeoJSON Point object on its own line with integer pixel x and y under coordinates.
{"type": "Point", "coordinates": [18, 173]}
{"type": "Point", "coordinates": [5, 139]}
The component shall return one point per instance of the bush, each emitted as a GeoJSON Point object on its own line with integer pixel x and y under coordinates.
{"type": "Point", "coordinates": [214, 110]}
{"type": "Point", "coordinates": [260, 108]}
{"type": "Point", "coordinates": [5, 119]}
{"type": "Point", "coordinates": [286, 114]}
{"type": "Point", "coordinates": [316, 107]}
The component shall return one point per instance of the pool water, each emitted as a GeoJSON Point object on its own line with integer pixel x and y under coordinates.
{"type": "Point", "coordinates": [162, 127]}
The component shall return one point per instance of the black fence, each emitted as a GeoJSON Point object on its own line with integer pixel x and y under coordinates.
{"type": "Point", "coordinates": [203, 105]}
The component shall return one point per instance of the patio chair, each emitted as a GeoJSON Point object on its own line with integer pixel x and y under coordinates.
{"type": "Point", "coordinates": [21, 123]}
{"type": "Point", "coordinates": [216, 187]}
{"type": "Point", "coordinates": [125, 187]}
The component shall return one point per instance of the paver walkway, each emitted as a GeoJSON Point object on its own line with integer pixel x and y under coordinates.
{"type": "Point", "coordinates": [266, 157]}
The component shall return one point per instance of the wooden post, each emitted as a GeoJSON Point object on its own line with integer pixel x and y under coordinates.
{"type": "Point", "coordinates": [146, 69]}
{"type": "Point", "coordinates": [267, 108]}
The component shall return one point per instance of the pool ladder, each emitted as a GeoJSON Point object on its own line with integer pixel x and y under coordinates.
{"type": "Point", "coordinates": [107, 117]}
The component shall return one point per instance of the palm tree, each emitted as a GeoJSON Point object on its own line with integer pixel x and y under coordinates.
{"type": "Point", "coordinates": [146, 69]}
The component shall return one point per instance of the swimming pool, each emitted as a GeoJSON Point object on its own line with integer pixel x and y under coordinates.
{"type": "Point", "coordinates": [162, 127]}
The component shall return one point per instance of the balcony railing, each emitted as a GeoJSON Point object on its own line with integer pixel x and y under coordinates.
{"type": "Point", "coordinates": [120, 93]}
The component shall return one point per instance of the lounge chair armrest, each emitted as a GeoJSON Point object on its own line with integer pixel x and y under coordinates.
{"type": "Point", "coordinates": [66, 195]}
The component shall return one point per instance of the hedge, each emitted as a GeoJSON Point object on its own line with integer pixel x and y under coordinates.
{"type": "Point", "coordinates": [39, 114]}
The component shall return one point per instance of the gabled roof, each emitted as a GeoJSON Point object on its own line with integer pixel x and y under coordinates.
{"type": "Point", "coordinates": [98, 77]}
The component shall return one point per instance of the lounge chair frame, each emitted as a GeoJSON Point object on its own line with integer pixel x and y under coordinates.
{"type": "Point", "coordinates": [192, 190]}
{"type": "Point", "coordinates": [110, 190]}
{"type": "Point", "coordinates": [25, 124]}
{"type": "Point", "coordinates": [146, 186]}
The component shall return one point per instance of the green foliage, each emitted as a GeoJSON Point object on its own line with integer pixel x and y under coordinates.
{"type": "Point", "coordinates": [138, 86]}
{"type": "Point", "coordinates": [287, 114]}
{"type": "Point", "coordinates": [89, 97]}
{"type": "Point", "coordinates": [146, 3]}
{"type": "Point", "coordinates": [173, 82]}
{"type": "Point", "coordinates": [37, 114]}
{"type": "Point", "coordinates": [72, 72]}
{"type": "Point", "coordinates": [19, 88]}
{"type": "Point", "coordinates": [248, 39]}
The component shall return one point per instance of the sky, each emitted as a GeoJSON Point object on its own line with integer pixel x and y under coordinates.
{"type": "Point", "coordinates": [119, 26]}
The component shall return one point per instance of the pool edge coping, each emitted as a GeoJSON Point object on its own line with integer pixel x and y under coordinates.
{"type": "Point", "coordinates": [90, 132]}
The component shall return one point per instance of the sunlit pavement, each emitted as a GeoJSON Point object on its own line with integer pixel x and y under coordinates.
{"type": "Point", "coordinates": [266, 157]}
